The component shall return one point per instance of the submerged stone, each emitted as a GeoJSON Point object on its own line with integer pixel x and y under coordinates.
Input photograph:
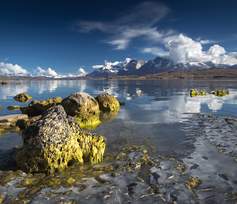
{"type": "Point", "coordinates": [108, 103]}
{"type": "Point", "coordinates": [22, 97]}
{"type": "Point", "coordinates": [38, 107]}
{"type": "Point", "coordinates": [52, 143]}
{"type": "Point", "coordinates": [11, 108]}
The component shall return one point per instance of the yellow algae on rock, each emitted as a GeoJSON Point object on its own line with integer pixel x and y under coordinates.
{"type": "Point", "coordinates": [108, 103]}
{"type": "Point", "coordinates": [193, 182]}
{"type": "Point", "coordinates": [52, 143]}
{"type": "Point", "coordinates": [196, 92]}
{"type": "Point", "coordinates": [220, 92]}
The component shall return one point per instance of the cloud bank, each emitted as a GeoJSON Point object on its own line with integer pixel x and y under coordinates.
{"type": "Point", "coordinates": [142, 22]}
{"type": "Point", "coordinates": [12, 69]}
{"type": "Point", "coordinates": [8, 69]}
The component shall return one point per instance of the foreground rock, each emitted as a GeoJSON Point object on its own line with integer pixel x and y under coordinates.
{"type": "Point", "coordinates": [22, 97]}
{"type": "Point", "coordinates": [52, 143]}
{"type": "Point", "coordinates": [37, 107]}
{"type": "Point", "coordinates": [84, 108]}
{"type": "Point", "coordinates": [108, 103]}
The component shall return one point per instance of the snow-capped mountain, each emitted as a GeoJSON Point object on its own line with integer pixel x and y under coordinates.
{"type": "Point", "coordinates": [158, 65]}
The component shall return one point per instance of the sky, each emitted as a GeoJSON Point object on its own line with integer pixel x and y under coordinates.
{"type": "Point", "coordinates": [70, 36]}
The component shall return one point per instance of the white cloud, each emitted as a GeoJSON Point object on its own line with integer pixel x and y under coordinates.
{"type": "Point", "coordinates": [48, 72]}
{"type": "Point", "coordinates": [141, 22]}
{"type": "Point", "coordinates": [8, 69]}
{"type": "Point", "coordinates": [155, 51]}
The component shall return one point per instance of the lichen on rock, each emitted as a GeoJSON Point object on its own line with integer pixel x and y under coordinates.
{"type": "Point", "coordinates": [108, 103]}
{"type": "Point", "coordinates": [51, 143]}
{"type": "Point", "coordinates": [37, 107]}
{"type": "Point", "coordinates": [22, 97]}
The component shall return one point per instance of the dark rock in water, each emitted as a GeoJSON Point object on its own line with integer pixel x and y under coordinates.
{"type": "Point", "coordinates": [51, 143]}
{"type": "Point", "coordinates": [11, 108]}
{"type": "Point", "coordinates": [22, 97]}
{"type": "Point", "coordinates": [108, 102]}
{"type": "Point", "coordinates": [84, 107]}
{"type": "Point", "coordinates": [38, 107]}
{"type": "Point", "coordinates": [3, 83]}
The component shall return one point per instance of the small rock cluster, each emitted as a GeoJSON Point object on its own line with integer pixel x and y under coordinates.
{"type": "Point", "coordinates": [201, 92]}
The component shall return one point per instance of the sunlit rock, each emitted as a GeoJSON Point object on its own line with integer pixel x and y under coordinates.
{"type": "Point", "coordinates": [196, 92]}
{"type": "Point", "coordinates": [52, 143]}
{"type": "Point", "coordinates": [108, 103]}
{"type": "Point", "coordinates": [22, 97]}
{"type": "Point", "coordinates": [84, 108]}
{"type": "Point", "coordinates": [37, 107]}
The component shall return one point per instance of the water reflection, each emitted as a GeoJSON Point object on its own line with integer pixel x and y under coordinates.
{"type": "Point", "coordinates": [146, 101]}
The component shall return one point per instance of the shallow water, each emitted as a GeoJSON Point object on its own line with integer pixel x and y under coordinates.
{"type": "Point", "coordinates": [153, 113]}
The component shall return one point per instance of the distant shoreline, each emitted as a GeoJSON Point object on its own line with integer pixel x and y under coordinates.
{"type": "Point", "coordinates": [206, 74]}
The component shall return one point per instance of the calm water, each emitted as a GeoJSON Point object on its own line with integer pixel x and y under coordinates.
{"type": "Point", "coordinates": [153, 114]}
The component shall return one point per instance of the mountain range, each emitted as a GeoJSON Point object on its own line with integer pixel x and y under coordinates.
{"type": "Point", "coordinates": [159, 65]}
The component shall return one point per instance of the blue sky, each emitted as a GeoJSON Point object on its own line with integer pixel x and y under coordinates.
{"type": "Point", "coordinates": [68, 34]}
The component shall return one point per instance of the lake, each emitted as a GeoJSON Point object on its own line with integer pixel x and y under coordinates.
{"type": "Point", "coordinates": [153, 113]}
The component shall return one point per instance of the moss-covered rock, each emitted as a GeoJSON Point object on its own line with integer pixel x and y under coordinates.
{"type": "Point", "coordinates": [220, 92]}
{"type": "Point", "coordinates": [52, 143]}
{"type": "Point", "coordinates": [108, 103]}
{"type": "Point", "coordinates": [37, 107]}
{"type": "Point", "coordinates": [196, 92]}
{"type": "Point", "coordinates": [1, 108]}
{"type": "Point", "coordinates": [22, 97]}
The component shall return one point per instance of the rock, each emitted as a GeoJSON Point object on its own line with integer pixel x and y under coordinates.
{"type": "Point", "coordinates": [1, 108]}
{"type": "Point", "coordinates": [22, 97]}
{"type": "Point", "coordinates": [196, 92]}
{"type": "Point", "coordinates": [38, 107]}
{"type": "Point", "coordinates": [3, 83]}
{"type": "Point", "coordinates": [51, 143]}
{"type": "Point", "coordinates": [108, 103]}
{"type": "Point", "coordinates": [220, 92]}
{"type": "Point", "coordinates": [85, 109]}
{"type": "Point", "coordinates": [11, 108]}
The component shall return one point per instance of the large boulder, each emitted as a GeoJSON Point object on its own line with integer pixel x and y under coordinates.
{"type": "Point", "coordinates": [85, 109]}
{"type": "Point", "coordinates": [52, 143]}
{"type": "Point", "coordinates": [108, 103]}
{"type": "Point", "coordinates": [37, 107]}
{"type": "Point", "coordinates": [22, 97]}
